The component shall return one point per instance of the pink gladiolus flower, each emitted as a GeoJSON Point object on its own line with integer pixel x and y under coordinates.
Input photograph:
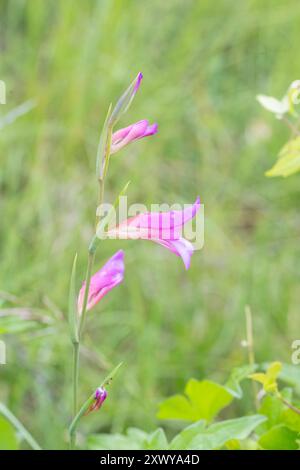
{"type": "Point", "coordinates": [108, 277]}
{"type": "Point", "coordinates": [100, 396]}
{"type": "Point", "coordinates": [133, 132]}
{"type": "Point", "coordinates": [164, 228]}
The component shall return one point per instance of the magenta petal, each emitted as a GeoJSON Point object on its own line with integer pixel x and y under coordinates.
{"type": "Point", "coordinates": [109, 276]}
{"type": "Point", "coordinates": [161, 227]}
{"type": "Point", "coordinates": [151, 130]}
{"type": "Point", "coordinates": [165, 225]}
{"type": "Point", "coordinates": [180, 247]}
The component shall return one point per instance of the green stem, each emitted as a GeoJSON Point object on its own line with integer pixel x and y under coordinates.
{"type": "Point", "coordinates": [75, 375]}
{"type": "Point", "coordinates": [289, 405]}
{"type": "Point", "coordinates": [91, 258]}
{"type": "Point", "coordinates": [250, 347]}
{"type": "Point", "coordinates": [19, 427]}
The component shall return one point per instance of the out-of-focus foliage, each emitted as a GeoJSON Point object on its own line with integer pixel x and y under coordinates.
{"type": "Point", "coordinates": [288, 161]}
{"type": "Point", "coordinates": [203, 66]}
{"type": "Point", "coordinates": [276, 426]}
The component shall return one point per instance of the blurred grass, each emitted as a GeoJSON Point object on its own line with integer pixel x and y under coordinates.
{"type": "Point", "coordinates": [203, 64]}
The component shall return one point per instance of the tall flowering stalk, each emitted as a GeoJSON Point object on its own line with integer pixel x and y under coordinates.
{"type": "Point", "coordinates": [162, 228]}
{"type": "Point", "coordinates": [112, 273]}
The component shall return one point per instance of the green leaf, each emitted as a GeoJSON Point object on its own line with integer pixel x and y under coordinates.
{"type": "Point", "coordinates": [238, 374]}
{"type": "Point", "coordinates": [111, 442]}
{"type": "Point", "coordinates": [202, 400]}
{"type": "Point", "coordinates": [73, 313]}
{"type": "Point", "coordinates": [291, 419]}
{"type": "Point", "coordinates": [157, 440]}
{"type": "Point", "coordinates": [279, 438]}
{"type": "Point", "coordinates": [272, 408]}
{"type": "Point", "coordinates": [102, 145]}
{"type": "Point", "coordinates": [22, 431]}
{"type": "Point", "coordinates": [183, 440]}
{"type": "Point", "coordinates": [290, 374]}
{"type": "Point", "coordinates": [197, 437]}
{"type": "Point", "coordinates": [124, 101]}
{"type": "Point", "coordinates": [8, 439]}
{"type": "Point", "coordinates": [269, 378]}
{"type": "Point", "coordinates": [288, 162]}
{"type": "Point", "coordinates": [278, 413]}
{"type": "Point", "coordinates": [135, 439]}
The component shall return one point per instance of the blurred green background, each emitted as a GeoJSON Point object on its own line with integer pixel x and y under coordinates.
{"type": "Point", "coordinates": [203, 63]}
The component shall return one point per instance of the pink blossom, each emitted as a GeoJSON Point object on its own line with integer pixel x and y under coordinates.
{"type": "Point", "coordinates": [164, 228]}
{"type": "Point", "coordinates": [108, 277]}
{"type": "Point", "coordinates": [133, 132]}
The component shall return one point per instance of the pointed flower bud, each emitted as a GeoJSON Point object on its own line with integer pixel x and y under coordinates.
{"type": "Point", "coordinates": [99, 397]}
{"type": "Point", "coordinates": [125, 100]}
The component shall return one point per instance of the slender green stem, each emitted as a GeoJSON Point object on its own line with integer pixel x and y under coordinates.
{"type": "Point", "coordinates": [75, 375]}
{"type": "Point", "coordinates": [91, 258]}
{"type": "Point", "coordinates": [250, 347]}
{"type": "Point", "coordinates": [289, 405]}
{"type": "Point", "coordinates": [19, 427]}
{"type": "Point", "coordinates": [292, 127]}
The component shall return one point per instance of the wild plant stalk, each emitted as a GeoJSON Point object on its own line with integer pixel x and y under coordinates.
{"type": "Point", "coordinates": [76, 344]}
{"type": "Point", "coordinates": [250, 349]}
{"type": "Point", "coordinates": [146, 225]}
{"type": "Point", "coordinates": [77, 318]}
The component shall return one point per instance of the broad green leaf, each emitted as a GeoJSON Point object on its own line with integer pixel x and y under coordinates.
{"type": "Point", "coordinates": [184, 438]}
{"type": "Point", "coordinates": [135, 439]}
{"type": "Point", "coordinates": [291, 419]}
{"type": "Point", "coordinates": [111, 442]}
{"type": "Point", "coordinates": [278, 413]}
{"type": "Point", "coordinates": [288, 161]}
{"type": "Point", "coordinates": [215, 436]}
{"type": "Point", "coordinates": [279, 438]}
{"type": "Point", "coordinates": [8, 439]}
{"type": "Point", "coordinates": [157, 440]}
{"type": "Point", "coordinates": [177, 407]}
{"type": "Point", "coordinates": [272, 408]}
{"type": "Point", "coordinates": [233, 444]}
{"type": "Point", "coordinates": [237, 375]}
{"type": "Point", "coordinates": [202, 400]}
{"type": "Point", "coordinates": [290, 374]}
